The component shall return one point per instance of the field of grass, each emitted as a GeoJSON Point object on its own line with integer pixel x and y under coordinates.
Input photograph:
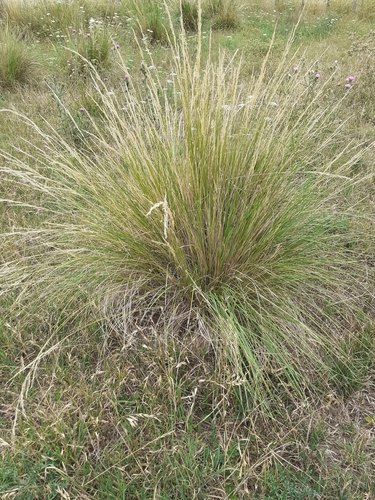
{"type": "Point", "coordinates": [187, 250]}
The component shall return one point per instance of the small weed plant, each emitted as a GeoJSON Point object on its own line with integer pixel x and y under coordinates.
{"type": "Point", "coordinates": [212, 206]}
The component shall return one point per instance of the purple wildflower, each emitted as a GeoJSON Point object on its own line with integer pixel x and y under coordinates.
{"type": "Point", "coordinates": [350, 78]}
{"type": "Point", "coordinates": [82, 110]}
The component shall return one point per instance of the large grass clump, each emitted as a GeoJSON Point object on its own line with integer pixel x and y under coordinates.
{"type": "Point", "coordinates": [209, 205]}
{"type": "Point", "coordinates": [18, 64]}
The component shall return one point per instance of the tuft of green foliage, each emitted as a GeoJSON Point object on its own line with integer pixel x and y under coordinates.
{"type": "Point", "coordinates": [218, 199]}
{"type": "Point", "coordinates": [152, 21]}
{"type": "Point", "coordinates": [281, 485]}
{"type": "Point", "coordinates": [189, 14]}
{"type": "Point", "coordinates": [223, 13]}
{"type": "Point", "coordinates": [18, 63]}
{"type": "Point", "coordinates": [142, 385]}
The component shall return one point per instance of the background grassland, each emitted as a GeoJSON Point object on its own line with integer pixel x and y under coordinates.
{"type": "Point", "coordinates": [135, 363]}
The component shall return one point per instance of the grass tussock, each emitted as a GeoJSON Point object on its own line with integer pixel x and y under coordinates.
{"type": "Point", "coordinates": [18, 63]}
{"type": "Point", "coordinates": [189, 14]}
{"type": "Point", "coordinates": [153, 24]}
{"type": "Point", "coordinates": [186, 251]}
{"type": "Point", "coordinates": [211, 197]}
{"type": "Point", "coordinates": [224, 14]}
